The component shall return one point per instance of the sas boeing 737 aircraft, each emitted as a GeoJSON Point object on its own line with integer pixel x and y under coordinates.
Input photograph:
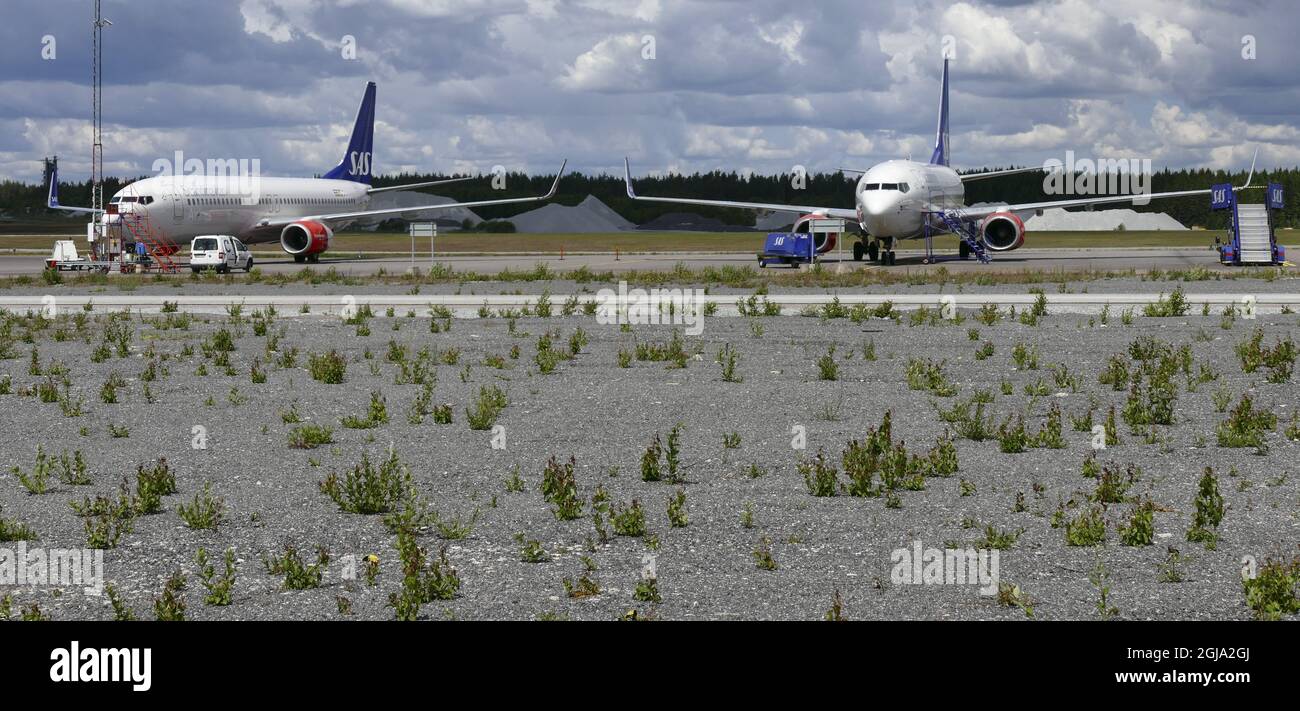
{"type": "Point", "coordinates": [897, 199]}
{"type": "Point", "coordinates": [302, 213]}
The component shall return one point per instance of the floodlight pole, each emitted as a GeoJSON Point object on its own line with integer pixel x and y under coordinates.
{"type": "Point", "coordinates": [97, 125]}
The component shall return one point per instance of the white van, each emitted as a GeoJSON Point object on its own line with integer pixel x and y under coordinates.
{"type": "Point", "coordinates": [219, 252]}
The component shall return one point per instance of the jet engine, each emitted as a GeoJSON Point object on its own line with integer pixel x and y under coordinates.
{"type": "Point", "coordinates": [306, 240]}
{"type": "Point", "coordinates": [1002, 231]}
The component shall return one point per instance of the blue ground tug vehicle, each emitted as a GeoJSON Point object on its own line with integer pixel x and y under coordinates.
{"type": "Point", "coordinates": [802, 245]}
{"type": "Point", "coordinates": [790, 248]}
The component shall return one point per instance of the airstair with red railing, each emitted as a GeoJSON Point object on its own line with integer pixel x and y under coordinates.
{"type": "Point", "coordinates": [160, 247]}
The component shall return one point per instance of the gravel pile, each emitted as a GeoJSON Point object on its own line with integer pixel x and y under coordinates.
{"type": "Point", "coordinates": [690, 222]}
{"type": "Point", "coordinates": [1083, 221]}
{"type": "Point", "coordinates": [590, 215]}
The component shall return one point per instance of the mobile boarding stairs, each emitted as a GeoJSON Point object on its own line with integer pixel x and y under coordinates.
{"type": "Point", "coordinates": [107, 248]}
{"type": "Point", "coordinates": [1251, 237]}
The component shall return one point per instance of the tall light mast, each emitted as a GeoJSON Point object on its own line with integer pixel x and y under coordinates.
{"type": "Point", "coordinates": [97, 112]}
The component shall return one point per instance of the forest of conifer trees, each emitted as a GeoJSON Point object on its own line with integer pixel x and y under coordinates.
{"type": "Point", "coordinates": [832, 189]}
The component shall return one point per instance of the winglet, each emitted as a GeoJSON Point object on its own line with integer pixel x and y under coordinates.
{"type": "Point", "coordinates": [627, 178]}
{"type": "Point", "coordinates": [555, 186]}
{"type": "Point", "coordinates": [1251, 174]}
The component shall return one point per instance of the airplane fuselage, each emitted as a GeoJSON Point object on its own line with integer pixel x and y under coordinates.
{"type": "Point", "coordinates": [183, 207]}
{"type": "Point", "coordinates": [892, 198]}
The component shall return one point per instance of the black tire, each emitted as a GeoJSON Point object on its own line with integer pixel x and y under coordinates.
{"type": "Point", "coordinates": [889, 258]}
{"type": "Point", "coordinates": [248, 267]}
{"type": "Point", "coordinates": [196, 270]}
{"type": "Point", "coordinates": [873, 252]}
{"type": "Point", "coordinates": [963, 249]}
{"type": "Point", "coordinates": [299, 258]}
{"type": "Point", "coordinates": [314, 258]}
{"type": "Point", "coordinates": [858, 251]}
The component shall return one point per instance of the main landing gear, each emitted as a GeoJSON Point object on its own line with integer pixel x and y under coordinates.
{"type": "Point", "coordinates": [875, 251]}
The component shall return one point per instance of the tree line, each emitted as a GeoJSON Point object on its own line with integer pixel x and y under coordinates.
{"type": "Point", "coordinates": [829, 189]}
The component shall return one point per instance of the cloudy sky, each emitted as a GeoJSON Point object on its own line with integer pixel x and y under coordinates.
{"type": "Point", "coordinates": [684, 85]}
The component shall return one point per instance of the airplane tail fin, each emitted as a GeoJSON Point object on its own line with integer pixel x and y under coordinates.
{"type": "Point", "coordinates": [52, 197]}
{"type": "Point", "coordinates": [940, 156]}
{"type": "Point", "coordinates": [355, 165]}
{"type": "Point", "coordinates": [52, 201]}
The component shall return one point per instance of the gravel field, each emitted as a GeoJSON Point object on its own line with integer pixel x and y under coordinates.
{"type": "Point", "coordinates": [327, 281]}
{"type": "Point", "coordinates": [605, 416]}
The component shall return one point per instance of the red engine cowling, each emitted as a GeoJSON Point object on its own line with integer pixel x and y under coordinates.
{"type": "Point", "coordinates": [306, 238]}
{"type": "Point", "coordinates": [1002, 231]}
{"type": "Point", "coordinates": [823, 243]}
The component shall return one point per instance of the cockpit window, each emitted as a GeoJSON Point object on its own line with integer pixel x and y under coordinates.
{"type": "Point", "coordinates": [871, 186]}
{"type": "Point", "coordinates": [116, 199]}
{"type": "Point", "coordinates": [902, 187]}
{"type": "Point", "coordinates": [146, 200]}
{"type": "Point", "coordinates": [889, 186]}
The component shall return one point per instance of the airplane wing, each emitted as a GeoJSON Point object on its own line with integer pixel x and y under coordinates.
{"type": "Point", "coordinates": [828, 211]}
{"type": "Point", "coordinates": [413, 186]}
{"type": "Point", "coordinates": [397, 211]}
{"type": "Point", "coordinates": [52, 201]}
{"type": "Point", "coordinates": [983, 210]}
{"type": "Point", "coordinates": [966, 177]}
{"type": "Point", "coordinates": [977, 212]}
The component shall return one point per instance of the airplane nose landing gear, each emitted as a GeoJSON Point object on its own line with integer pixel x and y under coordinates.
{"type": "Point", "coordinates": [883, 251]}
{"type": "Point", "coordinates": [877, 251]}
{"type": "Point", "coordinates": [870, 250]}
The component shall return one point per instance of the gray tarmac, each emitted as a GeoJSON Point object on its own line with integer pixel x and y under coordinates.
{"type": "Point", "coordinates": [1103, 259]}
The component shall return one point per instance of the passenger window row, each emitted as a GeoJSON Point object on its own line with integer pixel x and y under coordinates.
{"type": "Point", "coordinates": [236, 201]}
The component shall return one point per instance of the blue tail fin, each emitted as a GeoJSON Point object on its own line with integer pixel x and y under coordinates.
{"type": "Point", "coordinates": [940, 156]}
{"type": "Point", "coordinates": [52, 200]}
{"type": "Point", "coordinates": [355, 165]}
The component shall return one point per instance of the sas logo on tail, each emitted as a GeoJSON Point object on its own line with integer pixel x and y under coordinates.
{"type": "Point", "coordinates": [360, 163]}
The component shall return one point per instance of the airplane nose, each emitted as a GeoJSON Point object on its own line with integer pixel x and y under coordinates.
{"type": "Point", "coordinates": [880, 202]}
{"type": "Point", "coordinates": [878, 209]}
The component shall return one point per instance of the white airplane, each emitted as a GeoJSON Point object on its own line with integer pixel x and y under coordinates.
{"type": "Point", "coordinates": [897, 199]}
{"type": "Point", "coordinates": [302, 213]}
